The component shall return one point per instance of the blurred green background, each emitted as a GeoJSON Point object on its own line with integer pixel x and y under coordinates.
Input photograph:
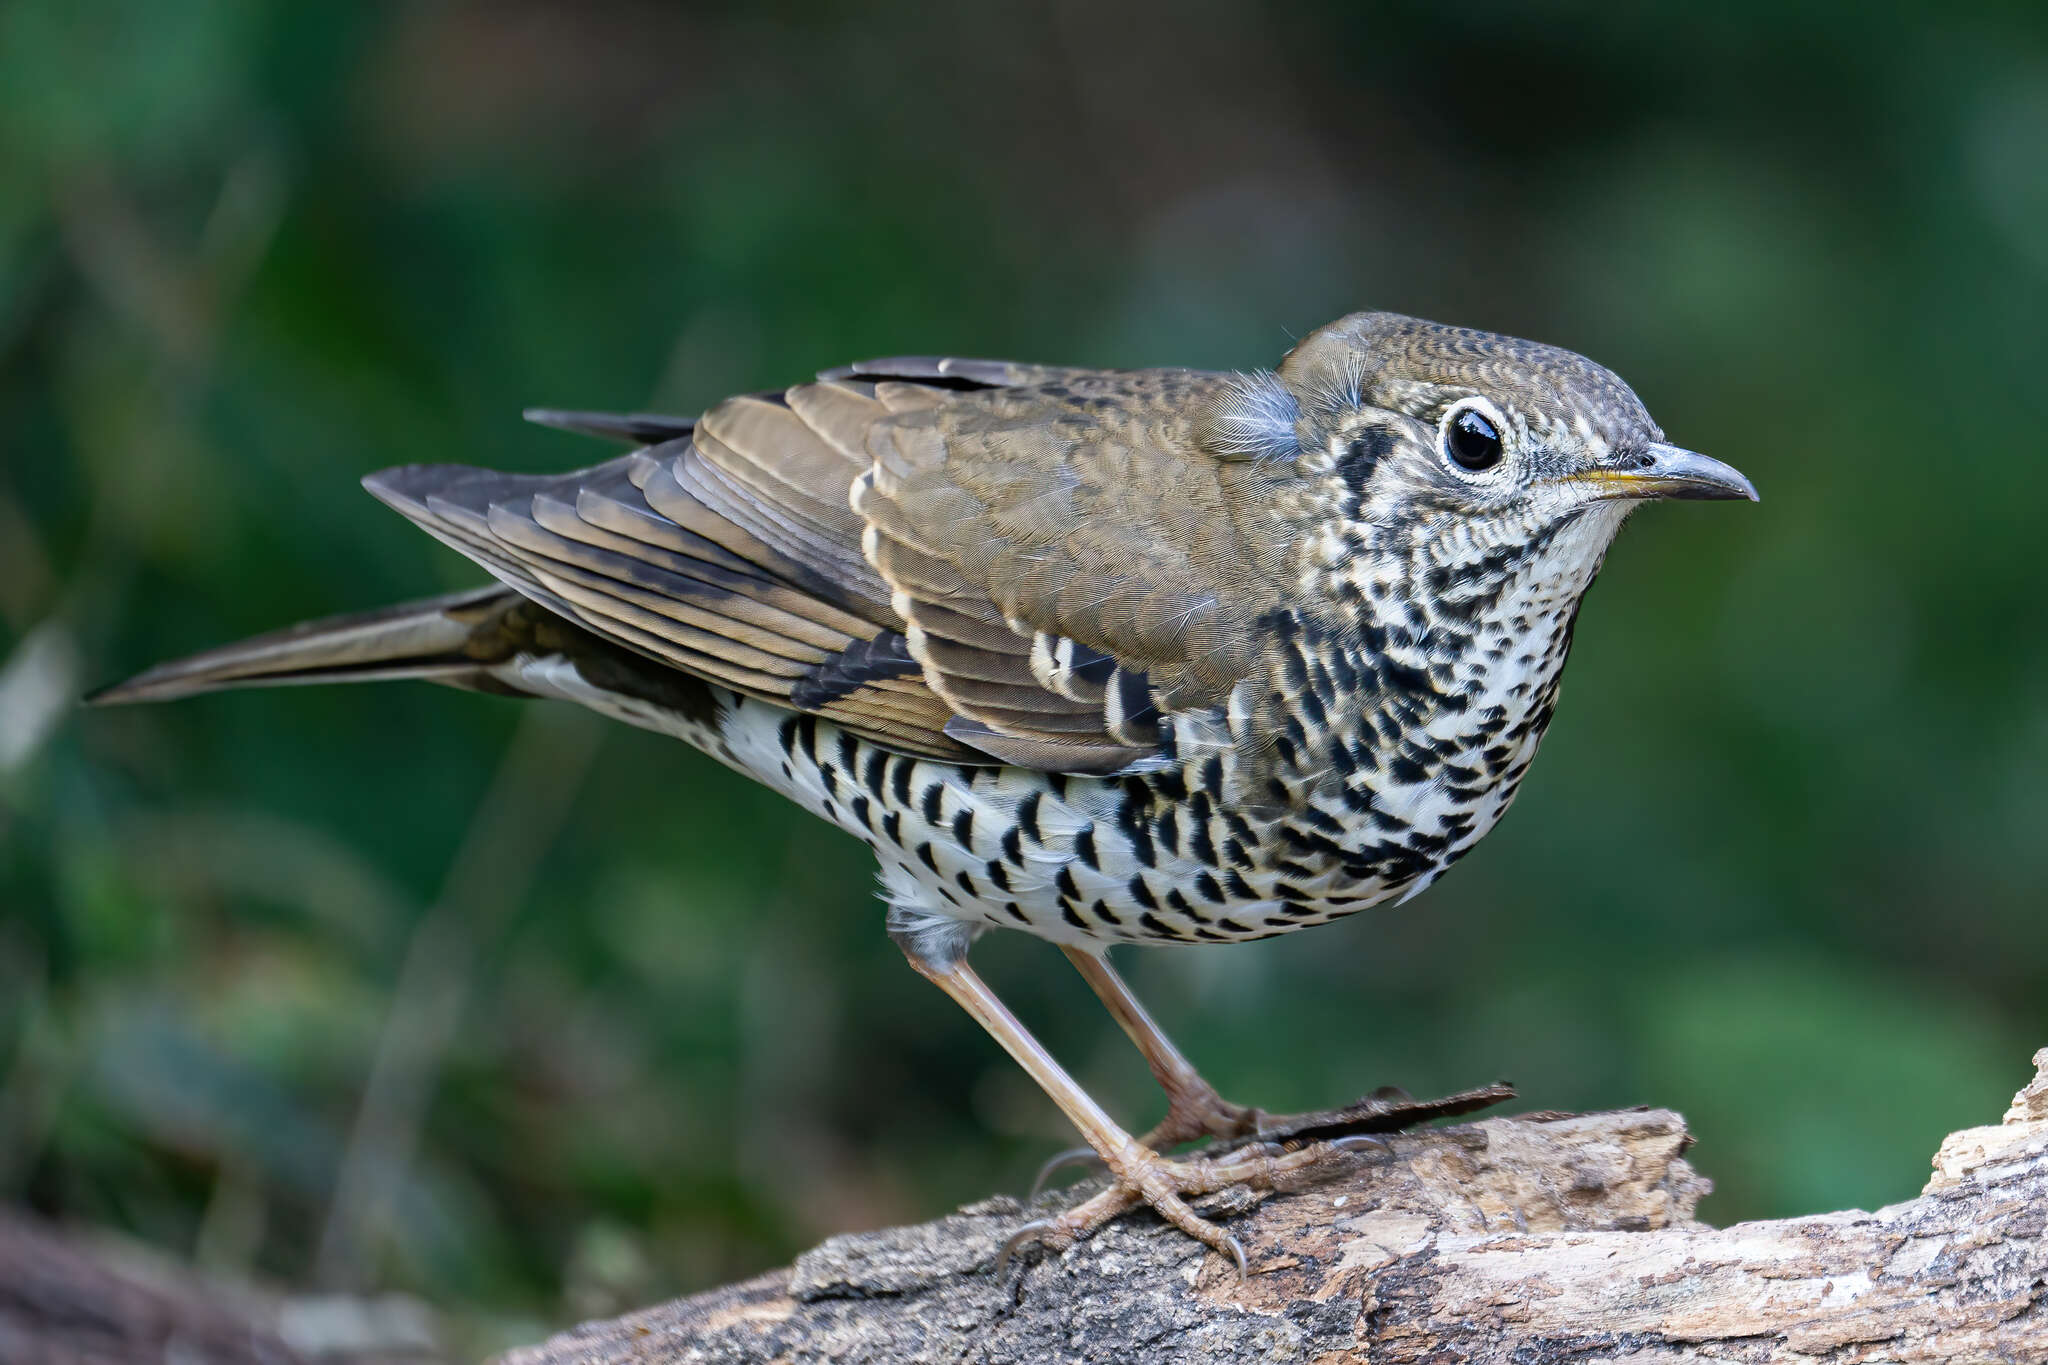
{"type": "Point", "coordinates": [400, 988]}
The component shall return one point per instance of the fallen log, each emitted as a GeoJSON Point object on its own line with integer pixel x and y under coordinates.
{"type": "Point", "coordinates": [1531, 1239]}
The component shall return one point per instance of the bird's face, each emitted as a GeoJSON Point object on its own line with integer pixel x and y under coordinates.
{"type": "Point", "coordinates": [1458, 458]}
{"type": "Point", "coordinates": [1504, 443]}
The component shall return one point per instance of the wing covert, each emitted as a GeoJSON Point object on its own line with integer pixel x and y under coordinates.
{"type": "Point", "coordinates": [1070, 559]}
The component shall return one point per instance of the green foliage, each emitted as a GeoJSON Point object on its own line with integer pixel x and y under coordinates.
{"type": "Point", "coordinates": [1780, 866]}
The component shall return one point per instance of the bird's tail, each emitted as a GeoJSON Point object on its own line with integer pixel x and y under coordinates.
{"type": "Point", "coordinates": [453, 639]}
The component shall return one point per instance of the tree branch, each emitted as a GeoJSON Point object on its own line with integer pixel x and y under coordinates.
{"type": "Point", "coordinates": [1533, 1239]}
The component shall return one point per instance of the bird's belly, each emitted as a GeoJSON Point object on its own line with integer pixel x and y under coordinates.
{"type": "Point", "coordinates": [1079, 860]}
{"type": "Point", "coordinates": [1071, 859]}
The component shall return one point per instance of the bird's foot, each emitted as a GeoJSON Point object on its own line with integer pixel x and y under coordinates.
{"type": "Point", "coordinates": [1166, 1184]}
{"type": "Point", "coordinates": [1198, 1111]}
{"type": "Point", "coordinates": [1193, 1111]}
{"type": "Point", "coordinates": [1389, 1109]}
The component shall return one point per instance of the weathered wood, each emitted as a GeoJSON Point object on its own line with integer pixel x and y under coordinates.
{"type": "Point", "coordinates": [1532, 1239]}
{"type": "Point", "coordinates": [61, 1305]}
{"type": "Point", "coordinates": [69, 1296]}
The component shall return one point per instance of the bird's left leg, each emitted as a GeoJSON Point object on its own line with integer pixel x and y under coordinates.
{"type": "Point", "coordinates": [1194, 1109]}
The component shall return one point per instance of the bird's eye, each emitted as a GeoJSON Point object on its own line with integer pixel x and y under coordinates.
{"type": "Point", "coordinates": [1472, 440]}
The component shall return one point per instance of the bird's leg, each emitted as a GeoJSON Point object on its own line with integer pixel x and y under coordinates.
{"type": "Point", "coordinates": [1142, 1176]}
{"type": "Point", "coordinates": [1193, 1107]}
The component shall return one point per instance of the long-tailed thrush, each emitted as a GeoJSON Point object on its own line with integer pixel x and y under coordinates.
{"type": "Point", "coordinates": [1144, 656]}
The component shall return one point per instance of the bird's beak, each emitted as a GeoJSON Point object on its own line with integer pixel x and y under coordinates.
{"type": "Point", "coordinates": [1662, 471]}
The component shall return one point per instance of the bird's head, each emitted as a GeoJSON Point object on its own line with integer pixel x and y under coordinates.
{"type": "Point", "coordinates": [1426, 452]}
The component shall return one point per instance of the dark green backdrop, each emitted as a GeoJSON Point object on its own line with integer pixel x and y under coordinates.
{"type": "Point", "coordinates": [1782, 865]}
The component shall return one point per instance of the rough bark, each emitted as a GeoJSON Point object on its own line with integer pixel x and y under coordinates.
{"type": "Point", "coordinates": [1532, 1239]}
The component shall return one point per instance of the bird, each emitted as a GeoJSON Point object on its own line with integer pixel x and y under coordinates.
{"type": "Point", "coordinates": [1103, 656]}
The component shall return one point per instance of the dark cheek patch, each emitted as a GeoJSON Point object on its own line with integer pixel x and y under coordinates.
{"type": "Point", "coordinates": [1361, 457]}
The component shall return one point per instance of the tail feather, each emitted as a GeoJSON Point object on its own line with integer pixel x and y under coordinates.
{"type": "Point", "coordinates": [452, 639]}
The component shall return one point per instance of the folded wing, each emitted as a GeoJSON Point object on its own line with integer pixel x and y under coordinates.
{"type": "Point", "coordinates": [970, 560]}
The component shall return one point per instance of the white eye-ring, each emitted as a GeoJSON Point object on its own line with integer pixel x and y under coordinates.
{"type": "Point", "coordinates": [1473, 437]}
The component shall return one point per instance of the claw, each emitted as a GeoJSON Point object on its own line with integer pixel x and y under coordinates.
{"type": "Point", "coordinates": [1058, 1161]}
{"type": "Point", "coordinates": [1235, 1250]}
{"type": "Point", "coordinates": [1363, 1142]}
{"type": "Point", "coordinates": [1022, 1237]}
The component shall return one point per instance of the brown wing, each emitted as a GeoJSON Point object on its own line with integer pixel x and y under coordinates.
{"type": "Point", "coordinates": [1072, 559]}
{"type": "Point", "coordinates": [960, 559]}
